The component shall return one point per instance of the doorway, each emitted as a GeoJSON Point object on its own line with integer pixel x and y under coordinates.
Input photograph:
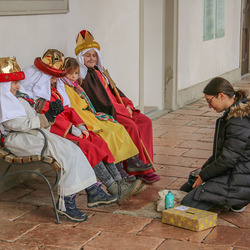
{"type": "Point", "coordinates": [245, 38]}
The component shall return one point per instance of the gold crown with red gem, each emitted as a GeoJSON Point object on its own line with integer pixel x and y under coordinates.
{"type": "Point", "coordinates": [85, 40]}
{"type": "Point", "coordinates": [10, 70]}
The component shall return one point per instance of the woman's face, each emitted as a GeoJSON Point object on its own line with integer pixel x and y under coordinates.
{"type": "Point", "coordinates": [218, 103]}
{"type": "Point", "coordinates": [90, 58]}
{"type": "Point", "coordinates": [73, 76]}
{"type": "Point", "coordinates": [14, 87]}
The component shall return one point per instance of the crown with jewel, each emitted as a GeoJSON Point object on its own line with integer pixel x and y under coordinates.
{"type": "Point", "coordinates": [85, 40]}
{"type": "Point", "coordinates": [51, 63]}
{"type": "Point", "coordinates": [10, 70]}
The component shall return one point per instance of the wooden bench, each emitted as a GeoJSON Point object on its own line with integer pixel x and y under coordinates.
{"type": "Point", "coordinates": [13, 160]}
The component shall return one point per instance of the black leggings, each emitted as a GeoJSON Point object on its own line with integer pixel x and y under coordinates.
{"type": "Point", "coordinates": [189, 201]}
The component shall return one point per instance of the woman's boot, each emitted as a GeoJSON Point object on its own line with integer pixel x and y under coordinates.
{"type": "Point", "coordinates": [97, 197]}
{"type": "Point", "coordinates": [71, 210]}
{"type": "Point", "coordinates": [134, 164]}
{"type": "Point", "coordinates": [124, 174]}
{"type": "Point", "coordinates": [149, 177]}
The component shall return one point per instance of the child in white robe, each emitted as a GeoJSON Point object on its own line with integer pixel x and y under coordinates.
{"type": "Point", "coordinates": [17, 116]}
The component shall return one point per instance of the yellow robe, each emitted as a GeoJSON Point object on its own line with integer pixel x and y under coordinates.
{"type": "Point", "coordinates": [114, 134]}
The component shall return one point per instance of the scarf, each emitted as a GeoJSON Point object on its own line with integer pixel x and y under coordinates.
{"type": "Point", "coordinates": [26, 97]}
{"type": "Point", "coordinates": [79, 90]}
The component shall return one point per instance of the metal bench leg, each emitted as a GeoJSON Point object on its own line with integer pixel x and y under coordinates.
{"type": "Point", "coordinates": [50, 188]}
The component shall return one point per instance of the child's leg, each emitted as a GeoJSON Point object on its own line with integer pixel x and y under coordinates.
{"type": "Point", "coordinates": [103, 174]}
{"type": "Point", "coordinates": [112, 169]}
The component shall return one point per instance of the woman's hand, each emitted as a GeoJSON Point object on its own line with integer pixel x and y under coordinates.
{"type": "Point", "coordinates": [198, 182]}
{"type": "Point", "coordinates": [86, 133]}
{"type": "Point", "coordinates": [129, 110]}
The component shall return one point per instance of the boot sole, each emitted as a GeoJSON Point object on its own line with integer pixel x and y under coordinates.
{"type": "Point", "coordinates": [125, 198]}
{"type": "Point", "coordinates": [131, 170]}
{"type": "Point", "coordinates": [71, 218]}
{"type": "Point", "coordinates": [151, 181]}
{"type": "Point", "coordinates": [97, 204]}
{"type": "Point", "coordinates": [142, 188]}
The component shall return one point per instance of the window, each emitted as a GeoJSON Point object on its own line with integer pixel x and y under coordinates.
{"type": "Point", "coordinates": [30, 7]}
{"type": "Point", "coordinates": [213, 19]}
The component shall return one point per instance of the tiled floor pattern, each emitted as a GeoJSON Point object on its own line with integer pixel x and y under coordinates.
{"type": "Point", "coordinates": [182, 142]}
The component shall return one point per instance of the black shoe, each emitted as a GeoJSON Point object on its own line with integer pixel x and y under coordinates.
{"type": "Point", "coordinates": [124, 174]}
{"type": "Point", "coordinates": [134, 164]}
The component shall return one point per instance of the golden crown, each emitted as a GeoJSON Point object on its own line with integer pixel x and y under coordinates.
{"type": "Point", "coordinates": [85, 40]}
{"type": "Point", "coordinates": [9, 65]}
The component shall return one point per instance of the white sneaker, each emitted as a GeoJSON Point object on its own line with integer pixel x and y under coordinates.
{"type": "Point", "coordinates": [238, 210]}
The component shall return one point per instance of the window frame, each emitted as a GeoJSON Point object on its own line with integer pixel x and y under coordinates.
{"type": "Point", "coordinates": [33, 7]}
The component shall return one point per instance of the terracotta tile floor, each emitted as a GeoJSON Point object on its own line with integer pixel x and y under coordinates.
{"type": "Point", "coordinates": [182, 142]}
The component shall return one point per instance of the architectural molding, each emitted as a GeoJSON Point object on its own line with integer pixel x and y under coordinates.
{"type": "Point", "coordinates": [20, 7]}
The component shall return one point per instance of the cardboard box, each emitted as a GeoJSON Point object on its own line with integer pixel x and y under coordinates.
{"type": "Point", "coordinates": [189, 218]}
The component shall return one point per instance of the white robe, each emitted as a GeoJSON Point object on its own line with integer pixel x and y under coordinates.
{"type": "Point", "coordinates": [78, 173]}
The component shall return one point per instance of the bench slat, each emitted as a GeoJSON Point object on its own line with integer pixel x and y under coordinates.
{"type": "Point", "coordinates": [48, 159]}
{"type": "Point", "coordinates": [3, 153]}
{"type": "Point", "coordinates": [56, 166]}
{"type": "Point", "coordinates": [18, 159]}
{"type": "Point", "coordinates": [26, 159]}
{"type": "Point", "coordinates": [36, 157]}
{"type": "Point", "coordinates": [9, 158]}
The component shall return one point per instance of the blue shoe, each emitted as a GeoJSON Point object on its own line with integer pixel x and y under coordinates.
{"type": "Point", "coordinates": [71, 210]}
{"type": "Point", "coordinates": [97, 197]}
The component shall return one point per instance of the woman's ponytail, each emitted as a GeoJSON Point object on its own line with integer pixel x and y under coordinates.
{"type": "Point", "coordinates": [240, 95]}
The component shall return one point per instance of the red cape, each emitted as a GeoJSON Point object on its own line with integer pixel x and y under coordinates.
{"type": "Point", "coordinates": [139, 126]}
{"type": "Point", "coordinates": [94, 148]}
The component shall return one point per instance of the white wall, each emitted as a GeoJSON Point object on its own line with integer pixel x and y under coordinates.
{"type": "Point", "coordinates": [200, 60]}
{"type": "Point", "coordinates": [154, 53]}
{"type": "Point", "coordinates": [113, 23]}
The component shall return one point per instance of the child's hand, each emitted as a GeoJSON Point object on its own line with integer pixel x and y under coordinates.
{"type": "Point", "coordinates": [198, 182]}
{"type": "Point", "coordinates": [85, 133]}
{"type": "Point", "coordinates": [129, 110]}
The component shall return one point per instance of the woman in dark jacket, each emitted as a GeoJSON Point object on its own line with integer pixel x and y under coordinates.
{"type": "Point", "coordinates": [225, 178]}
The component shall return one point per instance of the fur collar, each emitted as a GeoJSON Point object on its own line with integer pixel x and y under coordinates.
{"type": "Point", "coordinates": [239, 110]}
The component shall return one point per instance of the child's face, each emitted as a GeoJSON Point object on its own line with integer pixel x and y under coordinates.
{"type": "Point", "coordinates": [73, 76]}
{"type": "Point", "coordinates": [90, 58]}
{"type": "Point", "coordinates": [15, 86]}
